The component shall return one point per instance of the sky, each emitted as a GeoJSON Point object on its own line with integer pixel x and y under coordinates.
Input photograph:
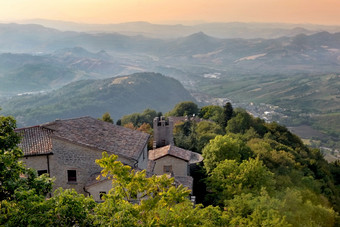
{"type": "Point", "coordinates": [173, 11]}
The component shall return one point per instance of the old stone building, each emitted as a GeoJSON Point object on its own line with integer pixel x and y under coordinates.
{"type": "Point", "coordinates": [168, 158]}
{"type": "Point", "coordinates": [67, 150]}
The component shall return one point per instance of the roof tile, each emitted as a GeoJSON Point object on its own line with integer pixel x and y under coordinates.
{"type": "Point", "coordinates": [90, 132]}
{"type": "Point", "coordinates": [172, 150]}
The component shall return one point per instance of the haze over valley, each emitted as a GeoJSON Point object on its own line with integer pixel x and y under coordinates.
{"type": "Point", "coordinates": [292, 69]}
{"type": "Point", "coordinates": [170, 113]}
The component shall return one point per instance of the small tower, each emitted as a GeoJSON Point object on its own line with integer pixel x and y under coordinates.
{"type": "Point", "coordinates": [163, 134]}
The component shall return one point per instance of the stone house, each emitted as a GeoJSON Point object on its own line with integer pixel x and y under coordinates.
{"type": "Point", "coordinates": [67, 150]}
{"type": "Point", "coordinates": [169, 159]}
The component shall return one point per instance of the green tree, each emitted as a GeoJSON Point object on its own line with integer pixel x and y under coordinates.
{"type": "Point", "coordinates": [240, 123]}
{"type": "Point", "coordinates": [145, 127]}
{"type": "Point", "coordinates": [230, 178]}
{"type": "Point", "coordinates": [205, 127]}
{"type": "Point", "coordinates": [137, 119]}
{"type": "Point", "coordinates": [305, 208]}
{"type": "Point", "coordinates": [206, 130]}
{"type": "Point", "coordinates": [12, 169]}
{"type": "Point", "coordinates": [68, 208]}
{"type": "Point", "coordinates": [224, 147]}
{"type": "Point", "coordinates": [255, 210]}
{"type": "Point", "coordinates": [136, 200]}
{"type": "Point", "coordinates": [187, 108]}
{"type": "Point", "coordinates": [22, 192]}
{"type": "Point", "coordinates": [25, 209]}
{"type": "Point", "coordinates": [211, 112]}
{"type": "Point", "coordinates": [107, 118]}
{"type": "Point", "coordinates": [227, 114]}
{"type": "Point", "coordinates": [185, 135]}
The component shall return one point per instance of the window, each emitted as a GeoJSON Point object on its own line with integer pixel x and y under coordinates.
{"type": "Point", "coordinates": [41, 172]}
{"type": "Point", "coordinates": [101, 195]}
{"type": "Point", "coordinates": [167, 169]}
{"type": "Point", "coordinates": [72, 175]}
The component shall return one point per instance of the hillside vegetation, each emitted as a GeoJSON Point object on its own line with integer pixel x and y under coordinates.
{"type": "Point", "coordinates": [304, 99]}
{"type": "Point", "coordinates": [118, 95]}
{"type": "Point", "coordinates": [253, 174]}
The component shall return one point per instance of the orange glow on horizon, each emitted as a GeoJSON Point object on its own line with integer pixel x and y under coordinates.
{"type": "Point", "coordinates": [159, 11]}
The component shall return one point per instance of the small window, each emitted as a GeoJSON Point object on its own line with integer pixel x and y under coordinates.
{"type": "Point", "coordinates": [101, 195]}
{"type": "Point", "coordinates": [167, 169]}
{"type": "Point", "coordinates": [41, 172]}
{"type": "Point", "coordinates": [72, 175]}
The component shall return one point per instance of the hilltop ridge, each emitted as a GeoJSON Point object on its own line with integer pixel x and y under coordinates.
{"type": "Point", "coordinates": [119, 96]}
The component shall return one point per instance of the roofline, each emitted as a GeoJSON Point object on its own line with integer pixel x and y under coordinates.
{"type": "Point", "coordinates": [46, 126]}
{"type": "Point", "coordinates": [169, 155]}
{"type": "Point", "coordinates": [29, 127]}
{"type": "Point", "coordinates": [95, 148]}
{"type": "Point", "coordinates": [42, 154]}
{"type": "Point", "coordinates": [145, 144]}
{"type": "Point", "coordinates": [97, 182]}
{"type": "Point", "coordinates": [67, 119]}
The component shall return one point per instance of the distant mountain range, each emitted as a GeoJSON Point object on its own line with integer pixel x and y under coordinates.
{"type": "Point", "coordinates": [275, 63]}
{"type": "Point", "coordinates": [16, 38]}
{"type": "Point", "coordinates": [119, 96]}
{"type": "Point", "coordinates": [164, 31]}
{"type": "Point", "coordinates": [20, 73]}
{"type": "Point", "coordinates": [62, 57]}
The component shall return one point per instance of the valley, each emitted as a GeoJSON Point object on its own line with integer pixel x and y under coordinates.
{"type": "Point", "coordinates": [292, 79]}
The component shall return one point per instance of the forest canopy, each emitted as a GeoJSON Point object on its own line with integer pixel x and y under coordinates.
{"type": "Point", "coordinates": [254, 173]}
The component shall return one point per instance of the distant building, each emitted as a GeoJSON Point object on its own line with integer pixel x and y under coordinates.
{"type": "Point", "coordinates": [67, 150]}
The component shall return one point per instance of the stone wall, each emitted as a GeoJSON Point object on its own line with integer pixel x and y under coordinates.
{"type": "Point", "coordinates": [69, 156]}
{"type": "Point", "coordinates": [103, 186]}
{"type": "Point", "coordinates": [36, 162]}
{"type": "Point", "coordinates": [163, 132]}
{"type": "Point", "coordinates": [179, 166]}
{"type": "Point", "coordinates": [143, 158]}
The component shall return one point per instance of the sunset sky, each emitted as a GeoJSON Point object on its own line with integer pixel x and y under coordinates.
{"type": "Point", "coordinates": [173, 11]}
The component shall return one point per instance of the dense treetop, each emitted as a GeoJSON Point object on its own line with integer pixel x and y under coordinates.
{"type": "Point", "coordinates": [254, 173]}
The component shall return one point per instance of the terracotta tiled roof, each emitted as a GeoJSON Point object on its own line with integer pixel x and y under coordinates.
{"type": "Point", "coordinates": [177, 152]}
{"type": "Point", "coordinates": [100, 135]}
{"type": "Point", "coordinates": [35, 140]}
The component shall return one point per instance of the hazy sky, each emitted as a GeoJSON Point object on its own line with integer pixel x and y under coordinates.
{"type": "Point", "coordinates": [160, 11]}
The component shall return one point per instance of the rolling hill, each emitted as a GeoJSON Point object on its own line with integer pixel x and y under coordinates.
{"type": "Point", "coordinates": [316, 53]}
{"type": "Point", "coordinates": [119, 96]}
{"type": "Point", "coordinates": [293, 71]}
